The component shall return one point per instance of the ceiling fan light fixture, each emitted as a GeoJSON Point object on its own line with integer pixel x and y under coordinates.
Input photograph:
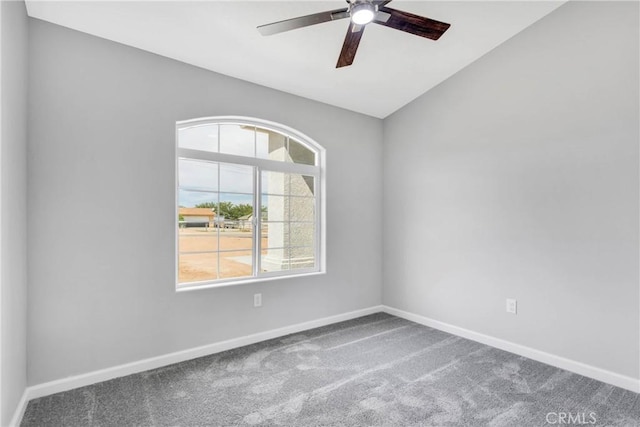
{"type": "Point", "coordinates": [362, 13]}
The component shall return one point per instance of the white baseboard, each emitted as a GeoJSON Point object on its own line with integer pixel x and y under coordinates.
{"type": "Point", "coordinates": [599, 374]}
{"type": "Point", "coordinates": [89, 378]}
{"type": "Point", "coordinates": [22, 405]}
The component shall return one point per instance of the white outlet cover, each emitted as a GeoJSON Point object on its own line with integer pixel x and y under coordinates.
{"type": "Point", "coordinates": [512, 306]}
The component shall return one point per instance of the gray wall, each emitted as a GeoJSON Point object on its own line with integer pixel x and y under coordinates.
{"type": "Point", "coordinates": [13, 205]}
{"type": "Point", "coordinates": [518, 177]}
{"type": "Point", "coordinates": [101, 150]}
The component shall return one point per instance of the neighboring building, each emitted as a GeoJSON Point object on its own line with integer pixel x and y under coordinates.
{"type": "Point", "coordinates": [196, 217]}
{"type": "Point", "coordinates": [245, 222]}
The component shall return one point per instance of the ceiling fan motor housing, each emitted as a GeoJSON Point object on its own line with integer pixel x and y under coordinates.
{"type": "Point", "coordinates": [362, 11]}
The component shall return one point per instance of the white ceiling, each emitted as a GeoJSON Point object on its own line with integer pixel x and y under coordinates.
{"type": "Point", "coordinates": [391, 68]}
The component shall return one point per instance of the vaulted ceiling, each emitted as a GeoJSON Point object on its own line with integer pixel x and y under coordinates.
{"type": "Point", "coordinates": [391, 68]}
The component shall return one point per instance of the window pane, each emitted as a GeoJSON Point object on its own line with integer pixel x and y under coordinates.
{"type": "Point", "coordinates": [302, 234]}
{"type": "Point", "coordinates": [198, 175]}
{"type": "Point", "coordinates": [234, 239]}
{"type": "Point", "coordinates": [238, 140]}
{"type": "Point", "coordinates": [197, 267]}
{"type": "Point", "coordinates": [264, 230]}
{"type": "Point", "coordinates": [236, 264]}
{"type": "Point", "coordinates": [271, 145]}
{"type": "Point", "coordinates": [234, 210]}
{"type": "Point", "coordinates": [274, 208]}
{"type": "Point", "coordinates": [276, 234]}
{"type": "Point", "coordinates": [298, 153]}
{"type": "Point", "coordinates": [193, 239]}
{"type": "Point", "coordinates": [275, 260]}
{"type": "Point", "coordinates": [274, 182]}
{"type": "Point", "coordinates": [196, 210]}
{"type": "Point", "coordinates": [287, 184]}
{"type": "Point", "coordinates": [300, 185]}
{"type": "Point", "coordinates": [302, 258]}
{"type": "Point", "coordinates": [192, 199]}
{"type": "Point", "coordinates": [275, 146]}
{"type": "Point", "coordinates": [236, 178]}
{"type": "Point", "coordinates": [301, 208]}
{"type": "Point", "coordinates": [203, 138]}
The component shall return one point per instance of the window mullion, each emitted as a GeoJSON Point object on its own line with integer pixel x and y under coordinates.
{"type": "Point", "coordinates": [216, 218]}
{"type": "Point", "coordinates": [257, 231]}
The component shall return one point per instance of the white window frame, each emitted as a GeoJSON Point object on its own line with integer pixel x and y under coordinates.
{"type": "Point", "coordinates": [317, 171]}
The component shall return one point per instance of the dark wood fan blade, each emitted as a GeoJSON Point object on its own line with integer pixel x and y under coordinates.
{"type": "Point", "coordinates": [414, 24]}
{"type": "Point", "coordinates": [381, 16]}
{"type": "Point", "coordinates": [350, 45]}
{"type": "Point", "coordinates": [302, 21]}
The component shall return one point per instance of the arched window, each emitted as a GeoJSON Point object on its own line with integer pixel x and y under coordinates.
{"type": "Point", "coordinates": [249, 202]}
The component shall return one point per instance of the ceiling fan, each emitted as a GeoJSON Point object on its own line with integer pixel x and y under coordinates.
{"type": "Point", "coordinates": [362, 12]}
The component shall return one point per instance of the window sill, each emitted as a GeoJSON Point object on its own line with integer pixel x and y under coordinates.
{"type": "Point", "coordinates": [208, 285]}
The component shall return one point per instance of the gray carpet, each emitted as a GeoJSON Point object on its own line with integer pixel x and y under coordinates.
{"type": "Point", "coordinates": [377, 370]}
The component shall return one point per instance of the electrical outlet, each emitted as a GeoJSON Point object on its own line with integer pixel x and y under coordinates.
{"type": "Point", "coordinates": [257, 300]}
{"type": "Point", "coordinates": [512, 306]}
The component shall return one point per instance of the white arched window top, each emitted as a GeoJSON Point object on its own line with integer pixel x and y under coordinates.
{"type": "Point", "coordinates": [250, 202]}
